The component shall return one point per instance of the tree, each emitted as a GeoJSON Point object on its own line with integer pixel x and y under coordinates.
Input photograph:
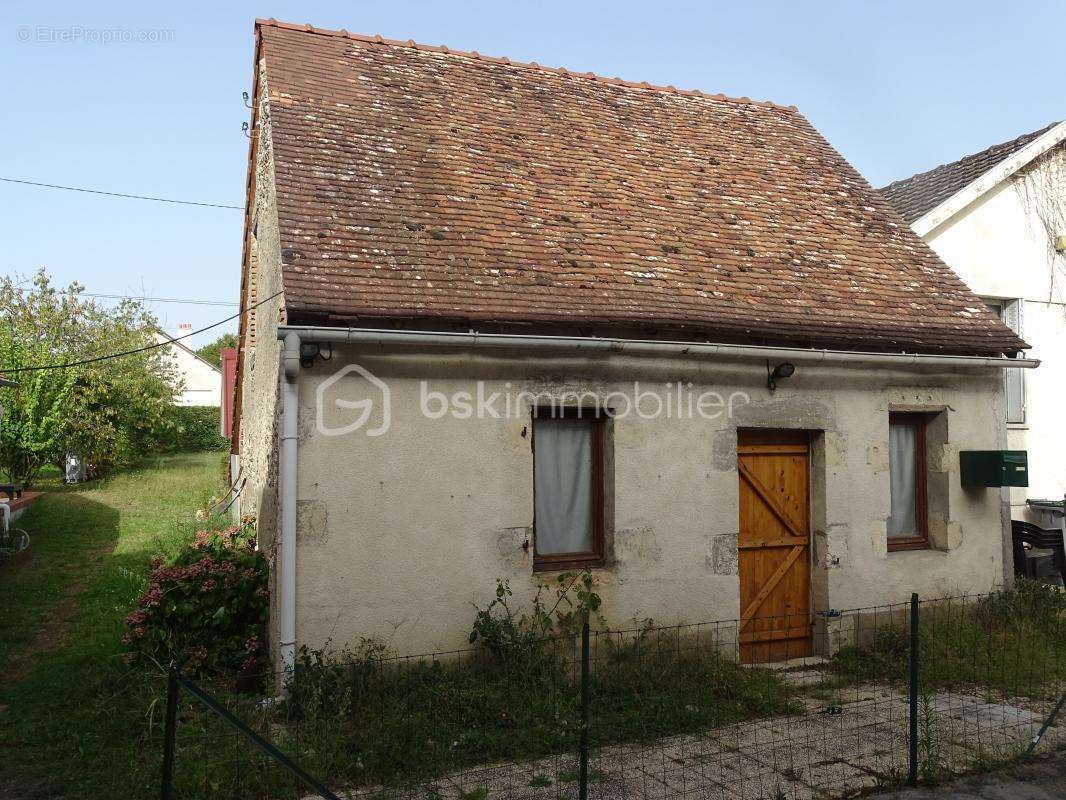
{"type": "Point", "coordinates": [212, 353]}
{"type": "Point", "coordinates": [109, 412]}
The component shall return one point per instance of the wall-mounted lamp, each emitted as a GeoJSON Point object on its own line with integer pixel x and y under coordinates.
{"type": "Point", "coordinates": [783, 370]}
{"type": "Point", "coordinates": [309, 351]}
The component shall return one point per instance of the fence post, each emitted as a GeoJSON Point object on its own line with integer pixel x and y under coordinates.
{"type": "Point", "coordinates": [1043, 728]}
{"type": "Point", "coordinates": [170, 733]}
{"type": "Point", "coordinates": [912, 739]}
{"type": "Point", "coordinates": [583, 762]}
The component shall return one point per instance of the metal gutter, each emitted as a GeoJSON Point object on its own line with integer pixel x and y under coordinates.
{"type": "Point", "coordinates": [641, 347]}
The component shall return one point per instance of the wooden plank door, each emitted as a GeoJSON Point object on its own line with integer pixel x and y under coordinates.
{"type": "Point", "coordinates": [774, 542]}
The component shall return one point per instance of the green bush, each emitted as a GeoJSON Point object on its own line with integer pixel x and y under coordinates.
{"type": "Point", "coordinates": [193, 429]}
{"type": "Point", "coordinates": [207, 609]}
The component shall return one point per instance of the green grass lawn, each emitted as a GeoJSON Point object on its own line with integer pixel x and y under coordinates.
{"type": "Point", "coordinates": [76, 721]}
{"type": "Point", "coordinates": [73, 718]}
{"type": "Point", "coordinates": [1010, 643]}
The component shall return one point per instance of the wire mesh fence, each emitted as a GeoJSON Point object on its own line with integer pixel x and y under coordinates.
{"type": "Point", "coordinates": [723, 709]}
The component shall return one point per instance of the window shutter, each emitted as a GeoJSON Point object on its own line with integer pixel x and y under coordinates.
{"type": "Point", "coordinates": [1015, 378]}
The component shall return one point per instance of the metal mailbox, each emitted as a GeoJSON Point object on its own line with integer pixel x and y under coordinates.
{"type": "Point", "coordinates": [994, 467]}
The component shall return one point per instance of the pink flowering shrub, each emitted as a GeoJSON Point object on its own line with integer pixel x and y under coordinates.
{"type": "Point", "coordinates": [208, 609]}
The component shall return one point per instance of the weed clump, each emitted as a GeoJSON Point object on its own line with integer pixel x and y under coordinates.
{"type": "Point", "coordinates": [1012, 642]}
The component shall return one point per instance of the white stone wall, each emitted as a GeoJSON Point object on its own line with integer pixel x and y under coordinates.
{"type": "Point", "coordinates": [399, 534]}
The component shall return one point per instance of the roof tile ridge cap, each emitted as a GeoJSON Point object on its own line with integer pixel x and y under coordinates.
{"type": "Point", "coordinates": [1038, 134]}
{"type": "Point", "coordinates": [925, 173]}
{"type": "Point", "coordinates": [909, 178]}
{"type": "Point", "coordinates": [531, 65]}
{"type": "Point", "coordinates": [307, 28]}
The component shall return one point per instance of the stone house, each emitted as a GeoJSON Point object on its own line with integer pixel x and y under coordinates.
{"type": "Point", "coordinates": [505, 320]}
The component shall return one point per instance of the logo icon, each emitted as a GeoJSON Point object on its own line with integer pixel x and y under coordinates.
{"type": "Point", "coordinates": [365, 407]}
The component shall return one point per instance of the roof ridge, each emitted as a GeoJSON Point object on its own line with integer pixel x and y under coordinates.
{"type": "Point", "coordinates": [1031, 135]}
{"type": "Point", "coordinates": [410, 43]}
{"type": "Point", "coordinates": [178, 343]}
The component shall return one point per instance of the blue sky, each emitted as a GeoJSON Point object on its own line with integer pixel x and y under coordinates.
{"type": "Point", "coordinates": [897, 87]}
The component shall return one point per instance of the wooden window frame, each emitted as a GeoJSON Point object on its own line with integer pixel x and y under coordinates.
{"type": "Point", "coordinates": [559, 562]}
{"type": "Point", "coordinates": [919, 422]}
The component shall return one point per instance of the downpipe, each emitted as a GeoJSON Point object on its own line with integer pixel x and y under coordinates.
{"type": "Point", "coordinates": [290, 394]}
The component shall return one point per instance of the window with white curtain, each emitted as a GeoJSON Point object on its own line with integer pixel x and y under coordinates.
{"type": "Point", "coordinates": [567, 489]}
{"type": "Point", "coordinates": [1010, 311]}
{"type": "Point", "coordinates": [908, 518]}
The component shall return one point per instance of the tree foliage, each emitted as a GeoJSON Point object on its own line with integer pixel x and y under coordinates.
{"type": "Point", "coordinates": [212, 353]}
{"type": "Point", "coordinates": [195, 429]}
{"type": "Point", "coordinates": [109, 412]}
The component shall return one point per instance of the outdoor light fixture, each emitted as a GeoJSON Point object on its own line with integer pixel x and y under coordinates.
{"type": "Point", "coordinates": [308, 353]}
{"type": "Point", "coordinates": [783, 370]}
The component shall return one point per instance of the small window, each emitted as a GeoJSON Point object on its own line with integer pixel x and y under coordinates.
{"type": "Point", "coordinates": [1010, 312]}
{"type": "Point", "coordinates": [567, 489]}
{"type": "Point", "coordinates": [908, 522]}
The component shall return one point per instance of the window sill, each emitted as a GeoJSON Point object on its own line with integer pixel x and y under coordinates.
{"type": "Point", "coordinates": [567, 564]}
{"type": "Point", "coordinates": [901, 545]}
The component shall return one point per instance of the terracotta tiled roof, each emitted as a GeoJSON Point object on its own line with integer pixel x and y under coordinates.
{"type": "Point", "coordinates": [427, 187]}
{"type": "Point", "coordinates": [919, 194]}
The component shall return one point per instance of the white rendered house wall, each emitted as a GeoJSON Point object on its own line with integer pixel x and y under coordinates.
{"type": "Point", "coordinates": [201, 382]}
{"type": "Point", "coordinates": [1000, 246]}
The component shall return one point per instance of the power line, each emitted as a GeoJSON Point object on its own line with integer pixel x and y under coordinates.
{"type": "Point", "coordinates": [159, 299]}
{"type": "Point", "coordinates": [120, 194]}
{"type": "Point", "coordinates": [96, 359]}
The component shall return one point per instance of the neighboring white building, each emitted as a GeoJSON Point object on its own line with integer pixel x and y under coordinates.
{"type": "Point", "coordinates": [201, 381]}
{"type": "Point", "coordinates": [997, 218]}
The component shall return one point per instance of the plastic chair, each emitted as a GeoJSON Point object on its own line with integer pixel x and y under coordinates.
{"type": "Point", "coordinates": [1025, 533]}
